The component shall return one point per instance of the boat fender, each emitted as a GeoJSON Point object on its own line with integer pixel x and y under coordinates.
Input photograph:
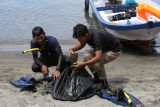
{"type": "Point", "coordinates": [141, 13]}
{"type": "Point", "coordinates": [151, 10]}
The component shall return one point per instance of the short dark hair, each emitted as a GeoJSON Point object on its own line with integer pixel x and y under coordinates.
{"type": "Point", "coordinates": [37, 31]}
{"type": "Point", "coordinates": [79, 30]}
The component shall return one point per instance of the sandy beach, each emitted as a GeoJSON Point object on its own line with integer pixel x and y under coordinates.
{"type": "Point", "coordinates": [137, 73]}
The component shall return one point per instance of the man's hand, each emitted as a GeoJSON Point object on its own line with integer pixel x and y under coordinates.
{"type": "Point", "coordinates": [44, 69]}
{"type": "Point", "coordinates": [56, 74]}
{"type": "Point", "coordinates": [71, 52]}
{"type": "Point", "coordinates": [79, 65]}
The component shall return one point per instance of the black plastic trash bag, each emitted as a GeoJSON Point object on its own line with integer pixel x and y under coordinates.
{"type": "Point", "coordinates": [73, 84]}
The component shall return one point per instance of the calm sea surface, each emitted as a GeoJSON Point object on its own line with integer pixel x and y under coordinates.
{"type": "Point", "coordinates": [57, 17]}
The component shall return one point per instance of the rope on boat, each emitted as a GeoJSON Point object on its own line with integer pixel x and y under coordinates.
{"type": "Point", "coordinates": [86, 4]}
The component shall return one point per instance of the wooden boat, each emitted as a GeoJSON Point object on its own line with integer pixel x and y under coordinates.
{"type": "Point", "coordinates": [135, 24]}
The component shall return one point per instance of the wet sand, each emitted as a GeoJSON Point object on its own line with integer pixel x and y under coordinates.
{"type": "Point", "coordinates": [137, 73]}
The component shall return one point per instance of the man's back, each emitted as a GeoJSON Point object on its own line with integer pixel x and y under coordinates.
{"type": "Point", "coordinates": [102, 40]}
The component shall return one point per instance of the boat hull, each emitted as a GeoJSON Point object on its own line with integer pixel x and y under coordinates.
{"type": "Point", "coordinates": [141, 38]}
{"type": "Point", "coordinates": [140, 34]}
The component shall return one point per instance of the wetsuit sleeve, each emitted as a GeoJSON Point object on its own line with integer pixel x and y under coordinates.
{"type": "Point", "coordinates": [61, 63]}
{"type": "Point", "coordinates": [35, 54]}
{"type": "Point", "coordinates": [57, 47]}
{"type": "Point", "coordinates": [55, 44]}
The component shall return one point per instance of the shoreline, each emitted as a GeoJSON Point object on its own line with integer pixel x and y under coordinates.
{"type": "Point", "coordinates": [127, 48]}
{"type": "Point", "coordinates": [20, 48]}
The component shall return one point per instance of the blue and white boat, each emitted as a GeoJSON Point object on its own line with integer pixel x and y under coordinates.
{"type": "Point", "coordinates": [122, 20]}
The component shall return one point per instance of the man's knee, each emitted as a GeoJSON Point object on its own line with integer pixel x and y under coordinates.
{"type": "Point", "coordinates": [36, 68]}
{"type": "Point", "coordinates": [99, 65]}
{"type": "Point", "coordinates": [113, 55]}
{"type": "Point", "coordinates": [87, 56]}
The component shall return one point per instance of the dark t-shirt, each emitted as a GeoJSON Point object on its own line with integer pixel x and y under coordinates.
{"type": "Point", "coordinates": [50, 49]}
{"type": "Point", "coordinates": [102, 40]}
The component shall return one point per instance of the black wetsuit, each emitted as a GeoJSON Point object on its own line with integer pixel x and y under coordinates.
{"type": "Point", "coordinates": [50, 52]}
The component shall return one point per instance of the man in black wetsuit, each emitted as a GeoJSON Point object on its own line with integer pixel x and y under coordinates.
{"type": "Point", "coordinates": [50, 51]}
{"type": "Point", "coordinates": [105, 48]}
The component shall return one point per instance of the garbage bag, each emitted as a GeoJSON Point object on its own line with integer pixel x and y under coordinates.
{"type": "Point", "coordinates": [73, 84]}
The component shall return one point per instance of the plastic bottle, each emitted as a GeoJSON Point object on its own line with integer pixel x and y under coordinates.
{"type": "Point", "coordinates": [48, 75]}
{"type": "Point", "coordinates": [128, 22]}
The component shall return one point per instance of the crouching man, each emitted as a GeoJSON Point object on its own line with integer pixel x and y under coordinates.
{"type": "Point", "coordinates": [50, 51]}
{"type": "Point", "coordinates": [104, 48]}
